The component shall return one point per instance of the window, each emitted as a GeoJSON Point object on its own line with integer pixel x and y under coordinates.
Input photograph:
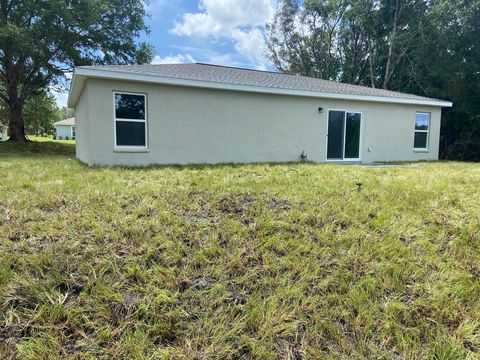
{"type": "Point", "coordinates": [73, 132]}
{"type": "Point", "coordinates": [130, 120]}
{"type": "Point", "coordinates": [422, 125]}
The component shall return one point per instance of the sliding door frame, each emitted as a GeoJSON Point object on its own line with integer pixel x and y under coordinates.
{"type": "Point", "coordinates": [360, 143]}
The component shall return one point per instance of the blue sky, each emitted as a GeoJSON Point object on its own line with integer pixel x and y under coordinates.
{"type": "Point", "coordinates": [223, 32]}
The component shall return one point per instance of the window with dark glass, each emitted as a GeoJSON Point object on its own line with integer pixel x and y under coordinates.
{"type": "Point", "coordinates": [422, 125]}
{"type": "Point", "coordinates": [130, 120]}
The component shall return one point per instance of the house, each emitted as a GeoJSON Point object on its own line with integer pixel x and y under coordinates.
{"type": "Point", "coordinates": [197, 113]}
{"type": "Point", "coordinates": [65, 129]}
{"type": "Point", "coordinates": [3, 132]}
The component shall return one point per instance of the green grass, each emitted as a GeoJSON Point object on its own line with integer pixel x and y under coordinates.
{"type": "Point", "coordinates": [49, 138]}
{"type": "Point", "coordinates": [237, 262]}
{"type": "Point", "coordinates": [38, 147]}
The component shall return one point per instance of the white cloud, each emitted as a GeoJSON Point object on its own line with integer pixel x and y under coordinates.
{"type": "Point", "coordinates": [208, 55]}
{"type": "Point", "coordinates": [173, 59]}
{"type": "Point", "coordinates": [252, 45]}
{"type": "Point", "coordinates": [221, 17]}
{"type": "Point", "coordinates": [242, 21]}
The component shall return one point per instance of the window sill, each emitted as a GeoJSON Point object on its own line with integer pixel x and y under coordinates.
{"type": "Point", "coordinates": [131, 150]}
{"type": "Point", "coordinates": [421, 150]}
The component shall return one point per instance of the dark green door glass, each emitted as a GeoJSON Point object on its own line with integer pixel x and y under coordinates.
{"type": "Point", "coordinates": [343, 135]}
{"type": "Point", "coordinates": [336, 121]}
{"type": "Point", "coordinates": [352, 136]}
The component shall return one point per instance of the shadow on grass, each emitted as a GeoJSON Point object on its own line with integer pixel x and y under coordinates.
{"type": "Point", "coordinates": [36, 148]}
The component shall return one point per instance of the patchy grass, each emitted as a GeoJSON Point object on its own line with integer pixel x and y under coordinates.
{"type": "Point", "coordinates": [255, 261]}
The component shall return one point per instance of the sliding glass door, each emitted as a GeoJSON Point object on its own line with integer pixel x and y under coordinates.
{"type": "Point", "coordinates": [343, 138]}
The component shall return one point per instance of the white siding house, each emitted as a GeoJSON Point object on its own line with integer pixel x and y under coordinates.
{"type": "Point", "coordinates": [65, 129]}
{"type": "Point", "coordinates": [3, 133]}
{"type": "Point", "coordinates": [196, 113]}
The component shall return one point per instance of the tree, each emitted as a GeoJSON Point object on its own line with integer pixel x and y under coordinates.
{"type": "Point", "coordinates": [41, 39]}
{"type": "Point", "coordinates": [301, 40]}
{"type": "Point", "coordinates": [452, 70]}
{"type": "Point", "coordinates": [360, 42]}
{"type": "Point", "coordinates": [39, 113]}
{"type": "Point", "coordinates": [65, 113]}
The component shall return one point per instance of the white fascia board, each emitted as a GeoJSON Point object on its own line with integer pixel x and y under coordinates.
{"type": "Point", "coordinates": [76, 87]}
{"type": "Point", "coordinates": [117, 75]}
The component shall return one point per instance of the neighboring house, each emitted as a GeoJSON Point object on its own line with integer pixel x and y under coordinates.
{"type": "Point", "coordinates": [197, 113]}
{"type": "Point", "coordinates": [65, 129]}
{"type": "Point", "coordinates": [3, 132]}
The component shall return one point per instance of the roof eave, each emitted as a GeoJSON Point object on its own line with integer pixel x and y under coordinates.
{"type": "Point", "coordinates": [60, 123]}
{"type": "Point", "coordinates": [81, 74]}
{"type": "Point", "coordinates": [76, 87]}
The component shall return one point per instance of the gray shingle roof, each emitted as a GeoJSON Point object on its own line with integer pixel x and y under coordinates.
{"type": "Point", "coordinates": [66, 122]}
{"type": "Point", "coordinates": [254, 78]}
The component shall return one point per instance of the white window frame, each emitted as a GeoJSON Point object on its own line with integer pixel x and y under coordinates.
{"type": "Point", "coordinates": [426, 148]}
{"type": "Point", "coordinates": [73, 132]}
{"type": "Point", "coordinates": [360, 145]}
{"type": "Point", "coordinates": [145, 121]}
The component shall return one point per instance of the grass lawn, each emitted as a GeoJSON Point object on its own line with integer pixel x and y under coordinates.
{"type": "Point", "coordinates": [237, 262]}
{"type": "Point", "coordinates": [49, 138]}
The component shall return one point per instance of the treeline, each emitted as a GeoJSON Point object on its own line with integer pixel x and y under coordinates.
{"type": "Point", "coordinates": [39, 113]}
{"type": "Point", "coordinates": [429, 48]}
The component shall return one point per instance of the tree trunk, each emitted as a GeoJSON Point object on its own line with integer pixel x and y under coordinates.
{"type": "Point", "coordinates": [371, 65]}
{"type": "Point", "coordinates": [393, 39]}
{"type": "Point", "coordinates": [16, 128]}
{"type": "Point", "coordinates": [15, 102]}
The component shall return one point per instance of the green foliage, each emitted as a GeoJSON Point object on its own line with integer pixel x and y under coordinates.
{"type": "Point", "coordinates": [39, 113]}
{"type": "Point", "coordinates": [40, 40]}
{"type": "Point", "coordinates": [65, 113]}
{"type": "Point", "coordinates": [284, 261]}
{"type": "Point", "coordinates": [361, 42]}
{"type": "Point", "coordinates": [454, 72]}
{"type": "Point", "coordinates": [429, 48]}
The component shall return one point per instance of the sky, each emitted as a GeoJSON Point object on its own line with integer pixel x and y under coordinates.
{"type": "Point", "coordinates": [222, 32]}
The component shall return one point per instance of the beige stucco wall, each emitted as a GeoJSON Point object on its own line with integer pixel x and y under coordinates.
{"type": "Point", "coordinates": [82, 127]}
{"type": "Point", "coordinates": [188, 125]}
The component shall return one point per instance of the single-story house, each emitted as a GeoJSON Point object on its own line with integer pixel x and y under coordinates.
{"type": "Point", "coordinates": [65, 129]}
{"type": "Point", "coordinates": [197, 113]}
{"type": "Point", "coordinates": [3, 132]}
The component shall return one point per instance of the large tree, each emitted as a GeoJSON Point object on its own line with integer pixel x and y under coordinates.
{"type": "Point", "coordinates": [39, 113]}
{"type": "Point", "coordinates": [42, 39]}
